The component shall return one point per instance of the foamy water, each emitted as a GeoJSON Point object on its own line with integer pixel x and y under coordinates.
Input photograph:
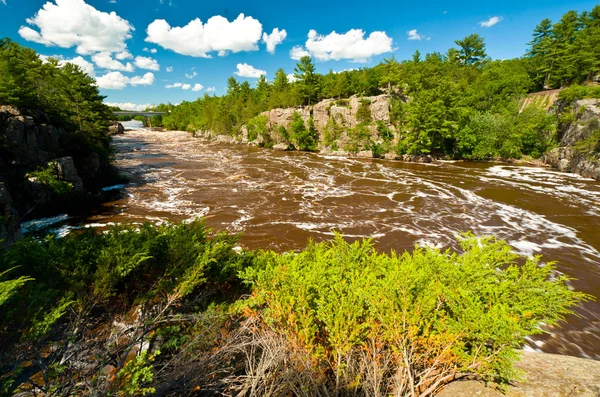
{"type": "Point", "coordinates": [280, 200]}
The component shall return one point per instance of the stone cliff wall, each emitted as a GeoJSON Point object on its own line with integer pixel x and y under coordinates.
{"type": "Point", "coordinates": [28, 142]}
{"type": "Point", "coordinates": [566, 157]}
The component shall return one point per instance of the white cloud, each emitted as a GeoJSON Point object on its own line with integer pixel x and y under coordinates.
{"type": "Point", "coordinates": [147, 79]}
{"type": "Point", "coordinates": [116, 80]}
{"type": "Point", "coordinates": [83, 64]}
{"type": "Point", "coordinates": [197, 87]}
{"type": "Point", "coordinates": [112, 81]}
{"type": "Point", "coordinates": [3, 2]}
{"type": "Point", "coordinates": [150, 50]}
{"type": "Point", "coordinates": [191, 76]}
{"type": "Point", "coordinates": [200, 40]}
{"type": "Point", "coordinates": [276, 37]}
{"type": "Point", "coordinates": [146, 63]}
{"type": "Point", "coordinates": [169, 69]}
{"type": "Point", "coordinates": [350, 45]}
{"type": "Point", "coordinates": [175, 85]}
{"type": "Point", "coordinates": [346, 70]}
{"type": "Point", "coordinates": [123, 55]}
{"type": "Point", "coordinates": [130, 106]}
{"type": "Point", "coordinates": [490, 22]}
{"type": "Point", "coordinates": [245, 70]}
{"type": "Point", "coordinates": [298, 52]}
{"type": "Point", "coordinates": [105, 61]}
{"type": "Point", "coordinates": [211, 89]}
{"type": "Point", "coordinates": [413, 35]}
{"type": "Point", "coordinates": [186, 87]}
{"type": "Point", "coordinates": [68, 23]}
{"type": "Point", "coordinates": [291, 78]}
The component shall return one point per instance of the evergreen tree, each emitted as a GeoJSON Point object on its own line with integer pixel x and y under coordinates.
{"type": "Point", "coordinates": [309, 80]}
{"type": "Point", "coordinates": [472, 49]}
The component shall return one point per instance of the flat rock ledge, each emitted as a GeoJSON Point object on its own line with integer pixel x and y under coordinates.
{"type": "Point", "coordinates": [546, 375]}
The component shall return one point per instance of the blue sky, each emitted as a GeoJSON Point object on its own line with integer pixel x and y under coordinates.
{"type": "Point", "coordinates": [131, 46]}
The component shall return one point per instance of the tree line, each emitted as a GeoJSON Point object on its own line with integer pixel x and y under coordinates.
{"type": "Point", "coordinates": [459, 103]}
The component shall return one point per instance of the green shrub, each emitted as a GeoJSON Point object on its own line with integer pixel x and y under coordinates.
{"type": "Point", "coordinates": [420, 318]}
{"type": "Point", "coordinates": [49, 177]}
{"type": "Point", "coordinates": [384, 132]}
{"type": "Point", "coordinates": [332, 132]}
{"type": "Point", "coordinates": [363, 112]}
{"type": "Point", "coordinates": [257, 126]}
{"type": "Point", "coordinates": [302, 137]}
{"type": "Point", "coordinates": [576, 92]}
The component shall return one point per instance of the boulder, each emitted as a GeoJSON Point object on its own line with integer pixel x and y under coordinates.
{"type": "Point", "coordinates": [567, 159]}
{"type": "Point", "coordinates": [546, 375]}
{"type": "Point", "coordinates": [116, 129]}
{"type": "Point", "coordinates": [282, 146]}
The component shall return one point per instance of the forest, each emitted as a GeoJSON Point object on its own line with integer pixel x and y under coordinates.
{"type": "Point", "coordinates": [459, 104]}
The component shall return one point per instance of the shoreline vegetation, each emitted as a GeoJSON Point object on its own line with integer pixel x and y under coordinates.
{"type": "Point", "coordinates": [457, 105]}
{"type": "Point", "coordinates": [179, 310]}
{"type": "Point", "coordinates": [176, 309]}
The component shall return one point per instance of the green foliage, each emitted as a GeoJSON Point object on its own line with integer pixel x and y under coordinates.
{"type": "Point", "coordinates": [437, 312]}
{"type": "Point", "coordinates": [308, 79]}
{"type": "Point", "coordinates": [257, 126]}
{"type": "Point", "coordinates": [68, 95]}
{"type": "Point", "coordinates": [302, 137]}
{"type": "Point", "coordinates": [332, 133]}
{"type": "Point", "coordinates": [471, 50]}
{"type": "Point", "coordinates": [136, 376]}
{"type": "Point", "coordinates": [9, 288]}
{"type": "Point", "coordinates": [49, 177]}
{"type": "Point", "coordinates": [576, 92]}
{"type": "Point", "coordinates": [363, 113]}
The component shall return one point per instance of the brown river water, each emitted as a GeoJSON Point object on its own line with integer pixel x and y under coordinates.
{"type": "Point", "coordinates": [279, 200]}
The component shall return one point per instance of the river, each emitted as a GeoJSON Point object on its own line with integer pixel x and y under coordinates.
{"type": "Point", "coordinates": [279, 200]}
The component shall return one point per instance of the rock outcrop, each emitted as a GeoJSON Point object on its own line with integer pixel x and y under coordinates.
{"type": "Point", "coordinates": [116, 129]}
{"type": "Point", "coordinates": [28, 143]}
{"type": "Point", "coordinates": [567, 157]}
{"type": "Point", "coordinates": [545, 375]}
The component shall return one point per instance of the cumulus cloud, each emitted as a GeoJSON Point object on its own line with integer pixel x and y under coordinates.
{"type": "Point", "coordinates": [112, 81]}
{"type": "Point", "coordinates": [147, 79]}
{"type": "Point", "coordinates": [191, 76]}
{"type": "Point", "coordinates": [245, 70]}
{"type": "Point", "coordinates": [350, 45]}
{"type": "Point", "coordinates": [83, 64]}
{"type": "Point", "coordinates": [146, 63]}
{"type": "Point", "coordinates": [298, 52]}
{"type": "Point", "coordinates": [130, 106]}
{"type": "Point", "coordinates": [105, 61]}
{"type": "Point", "coordinates": [197, 87]}
{"type": "Point", "coordinates": [169, 69]}
{"type": "Point", "coordinates": [200, 40]}
{"type": "Point", "coordinates": [413, 35]}
{"type": "Point", "coordinates": [175, 85]}
{"type": "Point", "coordinates": [276, 37]}
{"type": "Point", "coordinates": [117, 81]}
{"type": "Point", "coordinates": [291, 78]}
{"type": "Point", "coordinates": [186, 86]}
{"type": "Point", "coordinates": [211, 89]}
{"type": "Point", "coordinates": [73, 23]}
{"type": "Point", "coordinates": [490, 22]}
{"type": "Point", "coordinates": [150, 50]}
{"type": "Point", "coordinates": [123, 55]}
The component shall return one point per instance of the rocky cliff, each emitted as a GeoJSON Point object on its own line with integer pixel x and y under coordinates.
{"type": "Point", "coordinates": [30, 143]}
{"type": "Point", "coordinates": [578, 132]}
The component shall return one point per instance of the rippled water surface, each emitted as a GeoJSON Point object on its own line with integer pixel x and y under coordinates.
{"type": "Point", "coordinates": [280, 200]}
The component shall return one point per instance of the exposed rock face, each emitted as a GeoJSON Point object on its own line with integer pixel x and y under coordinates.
{"type": "Point", "coordinates": [10, 230]}
{"type": "Point", "coordinates": [566, 157]}
{"type": "Point", "coordinates": [546, 375]}
{"type": "Point", "coordinates": [28, 142]}
{"type": "Point", "coordinates": [284, 117]}
{"type": "Point", "coordinates": [66, 171]}
{"type": "Point", "coordinates": [345, 115]}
